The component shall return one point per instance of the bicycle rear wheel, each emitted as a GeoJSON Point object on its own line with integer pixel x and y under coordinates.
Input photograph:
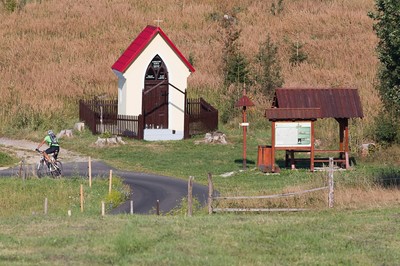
{"type": "Point", "coordinates": [56, 169]}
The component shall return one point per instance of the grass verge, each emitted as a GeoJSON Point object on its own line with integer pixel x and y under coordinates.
{"type": "Point", "coordinates": [366, 237]}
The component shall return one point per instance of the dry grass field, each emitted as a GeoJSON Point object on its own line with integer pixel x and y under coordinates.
{"type": "Point", "coordinates": [53, 53]}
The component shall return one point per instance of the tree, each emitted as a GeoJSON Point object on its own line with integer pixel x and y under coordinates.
{"type": "Point", "coordinates": [387, 17]}
{"type": "Point", "coordinates": [270, 77]}
{"type": "Point", "coordinates": [235, 64]}
{"type": "Point", "coordinates": [235, 67]}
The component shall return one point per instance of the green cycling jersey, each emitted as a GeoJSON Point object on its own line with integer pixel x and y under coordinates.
{"type": "Point", "coordinates": [49, 142]}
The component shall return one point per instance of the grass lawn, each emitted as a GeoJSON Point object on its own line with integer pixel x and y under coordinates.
{"type": "Point", "coordinates": [362, 229]}
{"type": "Point", "coordinates": [358, 237]}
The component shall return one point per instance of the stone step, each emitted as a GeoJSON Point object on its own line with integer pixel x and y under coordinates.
{"type": "Point", "coordinates": [162, 134]}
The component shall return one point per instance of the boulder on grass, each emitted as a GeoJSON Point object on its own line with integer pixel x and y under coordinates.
{"type": "Point", "coordinates": [80, 126]}
{"type": "Point", "coordinates": [65, 133]}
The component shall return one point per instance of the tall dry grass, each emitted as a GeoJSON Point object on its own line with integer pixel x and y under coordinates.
{"type": "Point", "coordinates": [53, 53]}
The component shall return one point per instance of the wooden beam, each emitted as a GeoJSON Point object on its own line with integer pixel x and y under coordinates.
{"type": "Point", "coordinates": [256, 210]}
{"type": "Point", "coordinates": [312, 154]}
{"type": "Point", "coordinates": [273, 146]}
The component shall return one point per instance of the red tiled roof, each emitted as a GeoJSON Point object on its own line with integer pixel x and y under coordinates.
{"type": "Point", "coordinates": [334, 103]}
{"type": "Point", "coordinates": [140, 43]}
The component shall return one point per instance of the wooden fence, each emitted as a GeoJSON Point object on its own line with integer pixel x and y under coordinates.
{"type": "Point", "coordinates": [211, 197]}
{"type": "Point", "coordinates": [102, 116]}
{"type": "Point", "coordinates": [203, 117]}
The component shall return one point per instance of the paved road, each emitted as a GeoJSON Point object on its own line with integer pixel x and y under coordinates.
{"type": "Point", "coordinates": [147, 188]}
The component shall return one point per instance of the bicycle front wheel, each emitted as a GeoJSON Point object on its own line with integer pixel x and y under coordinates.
{"type": "Point", "coordinates": [41, 169]}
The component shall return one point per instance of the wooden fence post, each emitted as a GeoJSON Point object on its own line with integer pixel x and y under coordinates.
{"type": "Point", "coordinates": [190, 196]}
{"type": "Point", "coordinates": [331, 198]}
{"type": "Point", "coordinates": [103, 209]}
{"type": "Point", "coordinates": [110, 183]}
{"type": "Point", "coordinates": [210, 194]}
{"type": "Point", "coordinates": [158, 207]}
{"type": "Point", "coordinates": [45, 206]}
{"type": "Point", "coordinates": [20, 169]}
{"type": "Point", "coordinates": [90, 172]}
{"type": "Point", "coordinates": [131, 207]}
{"type": "Point", "coordinates": [81, 193]}
{"type": "Point", "coordinates": [101, 120]}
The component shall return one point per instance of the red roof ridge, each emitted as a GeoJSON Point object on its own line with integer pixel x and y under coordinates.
{"type": "Point", "coordinates": [140, 43]}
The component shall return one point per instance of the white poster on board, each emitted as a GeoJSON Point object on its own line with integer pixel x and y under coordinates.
{"type": "Point", "coordinates": [293, 134]}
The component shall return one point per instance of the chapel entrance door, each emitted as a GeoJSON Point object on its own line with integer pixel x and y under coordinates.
{"type": "Point", "coordinates": [155, 95]}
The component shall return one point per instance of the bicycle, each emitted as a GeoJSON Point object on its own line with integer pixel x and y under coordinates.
{"type": "Point", "coordinates": [47, 167]}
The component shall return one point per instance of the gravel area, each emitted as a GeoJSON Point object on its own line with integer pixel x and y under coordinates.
{"type": "Point", "coordinates": [25, 150]}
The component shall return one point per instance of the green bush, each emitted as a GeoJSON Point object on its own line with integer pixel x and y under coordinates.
{"type": "Point", "coordinates": [5, 159]}
{"type": "Point", "coordinates": [387, 129]}
{"type": "Point", "coordinates": [119, 195]}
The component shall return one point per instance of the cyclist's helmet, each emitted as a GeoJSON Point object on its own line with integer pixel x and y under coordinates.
{"type": "Point", "coordinates": [50, 132]}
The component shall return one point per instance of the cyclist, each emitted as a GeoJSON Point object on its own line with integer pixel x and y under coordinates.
{"type": "Point", "coordinates": [52, 142]}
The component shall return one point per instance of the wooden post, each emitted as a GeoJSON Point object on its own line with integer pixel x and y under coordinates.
{"type": "Point", "coordinates": [273, 146]}
{"type": "Point", "coordinates": [346, 143]}
{"type": "Point", "coordinates": [81, 193]}
{"type": "Point", "coordinates": [131, 206]}
{"type": "Point", "coordinates": [244, 139]}
{"type": "Point", "coordinates": [45, 206]}
{"type": "Point", "coordinates": [190, 196]}
{"type": "Point", "coordinates": [292, 163]}
{"type": "Point", "coordinates": [341, 136]}
{"type": "Point", "coordinates": [210, 193]}
{"type": "Point", "coordinates": [20, 169]}
{"type": "Point", "coordinates": [103, 209]}
{"type": "Point", "coordinates": [312, 152]}
{"type": "Point", "coordinates": [101, 120]}
{"type": "Point", "coordinates": [90, 172]}
{"type": "Point", "coordinates": [158, 207]}
{"type": "Point", "coordinates": [331, 198]}
{"type": "Point", "coordinates": [110, 183]}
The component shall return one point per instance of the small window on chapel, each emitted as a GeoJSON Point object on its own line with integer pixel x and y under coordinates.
{"type": "Point", "coordinates": [156, 69]}
{"type": "Point", "coordinates": [161, 74]}
{"type": "Point", "coordinates": [150, 75]}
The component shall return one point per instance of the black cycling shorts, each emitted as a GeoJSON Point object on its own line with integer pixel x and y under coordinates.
{"type": "Point", "coordinates": [53, 149]}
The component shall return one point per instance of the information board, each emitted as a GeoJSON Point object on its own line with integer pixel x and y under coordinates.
{"type": "Point", "coordinates": [293, 134]}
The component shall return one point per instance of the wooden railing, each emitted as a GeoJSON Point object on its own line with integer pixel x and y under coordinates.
{"type": "Point", "coordinates": [203, 117]}
{"type": "Point", "coordinates": [102, 116]}
{"type": "Point", "coordinates": [212, 197]}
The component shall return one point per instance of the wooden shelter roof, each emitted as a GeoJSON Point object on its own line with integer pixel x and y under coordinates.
{"type": "Point", "coordinates": [313, 103]}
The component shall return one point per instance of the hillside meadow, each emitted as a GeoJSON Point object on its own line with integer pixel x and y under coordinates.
{"type": "Point", "coordinates": [53, 53]}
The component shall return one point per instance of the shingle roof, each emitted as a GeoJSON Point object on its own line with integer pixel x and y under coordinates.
{"type": "Point", "coordinates": [140, 43]}
{"type": "Point", "coordinates": [301, 103]}
{"type": "Point", "coordinates": [244, 101]}
{"type": "Point", "coordinates": [293, 113]}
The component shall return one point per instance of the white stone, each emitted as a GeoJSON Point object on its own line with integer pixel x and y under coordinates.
{"type": "Point", "coordinates": [80, 126]}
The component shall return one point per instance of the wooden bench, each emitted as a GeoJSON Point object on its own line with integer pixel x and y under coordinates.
{"type": "Point", "coordinates": [293, 160]}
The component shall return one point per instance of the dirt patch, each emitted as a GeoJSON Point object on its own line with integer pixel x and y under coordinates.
{"type": "Point", "coordinates": [25, 150]}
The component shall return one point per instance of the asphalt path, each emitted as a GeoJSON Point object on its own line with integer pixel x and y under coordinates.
{"type": "Point", "coordinates": [146, 188]}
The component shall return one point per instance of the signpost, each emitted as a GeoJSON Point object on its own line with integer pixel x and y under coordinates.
{"type": "Point", "coordinates": [244, 102]}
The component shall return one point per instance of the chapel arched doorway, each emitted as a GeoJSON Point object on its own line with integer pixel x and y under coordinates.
{"type": "Point", "coordinates": [155, 95]}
